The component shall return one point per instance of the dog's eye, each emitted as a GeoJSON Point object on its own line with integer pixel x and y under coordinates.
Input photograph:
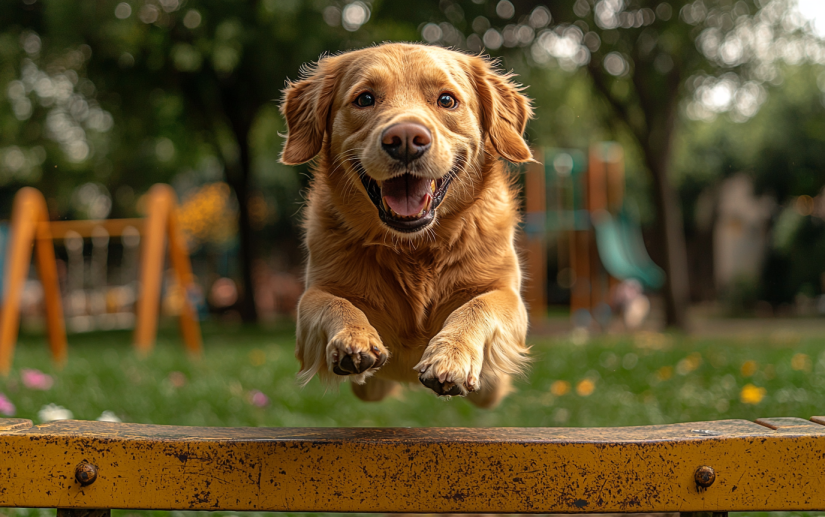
{"type": "Point", "coordinates": [364, 100]}
{"type": "Point", "coordinates": [447, 101]}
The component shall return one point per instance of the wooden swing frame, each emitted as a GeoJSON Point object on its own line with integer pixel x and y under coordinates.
{"type": "Point", "coordinates": [30, 227]}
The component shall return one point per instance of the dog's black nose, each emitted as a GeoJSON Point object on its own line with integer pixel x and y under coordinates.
{"type": "Point", "coordinates": [406, 141]}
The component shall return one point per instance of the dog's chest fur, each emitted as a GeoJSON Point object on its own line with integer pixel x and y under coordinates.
{"type": "Point", "coordinates": [407, 290]}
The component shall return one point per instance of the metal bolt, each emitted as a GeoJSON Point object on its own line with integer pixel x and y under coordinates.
{"type": "Point", "coordinates": [85, 473]}
{"type": "Point", "coordinates": [704, 476]}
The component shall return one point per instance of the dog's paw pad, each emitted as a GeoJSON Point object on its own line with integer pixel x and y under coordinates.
{"type": "Point", "coordinates": [443, 388]}
{"type": "Point", "coordinates": [447, 371]}
{"type": "Point", "coordinates": [347, 365]}
{"type": "Point", "coordinates": [355, 351]}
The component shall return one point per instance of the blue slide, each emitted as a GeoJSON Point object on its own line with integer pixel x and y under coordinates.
{"type": "Point", "coordinates": [622, 249]}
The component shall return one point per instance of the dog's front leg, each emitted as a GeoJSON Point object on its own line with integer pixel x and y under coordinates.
{"type": "Point", "coordinates": [482, 342]}
{"type": "Point", "coordinates": [335, 337]}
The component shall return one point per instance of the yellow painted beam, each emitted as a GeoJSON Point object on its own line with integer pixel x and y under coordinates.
{"type": "Point", "coordinates": [510, 470]}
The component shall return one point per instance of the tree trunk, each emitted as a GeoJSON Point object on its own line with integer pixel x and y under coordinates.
{"type": "Point", "coordinates": [671, 237]}
{"type": "Point", "coordinates": [239, 107]}
{"type": "Point", "coordinates": [660, 112]}
{"type": "Point", "coordinates": [238, 176]}
{"type": "Point", "coordinates": [237, 110]}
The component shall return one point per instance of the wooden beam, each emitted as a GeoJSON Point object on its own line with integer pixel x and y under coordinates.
{"type": "Point", "coordinates": [729, 465]}
{"type": "Point", "coordinates": [29, 227]}
{"type": "Point", "coordinates": [114, 227]}
{"type": "Point", "coordinates": [160, 224]}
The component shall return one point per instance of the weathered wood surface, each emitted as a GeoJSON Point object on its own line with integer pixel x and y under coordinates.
{"type": "Point", "coordinates": [776, 464]}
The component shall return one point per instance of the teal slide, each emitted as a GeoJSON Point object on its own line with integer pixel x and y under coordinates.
{"type": "Point", "coordinates": [622, 249]}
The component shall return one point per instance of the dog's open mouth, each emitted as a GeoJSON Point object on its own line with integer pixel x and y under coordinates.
{"type": "Point", "coordinates": [407, 203]}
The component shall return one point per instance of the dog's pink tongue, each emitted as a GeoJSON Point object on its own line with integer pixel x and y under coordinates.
{"type": "Point", "coordinates": [406, 194]}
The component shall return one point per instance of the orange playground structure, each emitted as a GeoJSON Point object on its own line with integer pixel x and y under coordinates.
{"type": "Point", "coordinates": [575, 198]}
{"type": "Point", "coordinates": [30, 227]}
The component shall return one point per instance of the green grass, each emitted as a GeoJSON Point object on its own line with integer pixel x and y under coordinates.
{"type": "Point", "coordinates": [636, 380]}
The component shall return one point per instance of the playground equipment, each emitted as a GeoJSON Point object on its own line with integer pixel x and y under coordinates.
{"type": "Point", "coordinates": [30, 226]}
{"type": "Point", "coordinates": [86, 468]}
{"type": "Point", "coordinates": [579, 200]}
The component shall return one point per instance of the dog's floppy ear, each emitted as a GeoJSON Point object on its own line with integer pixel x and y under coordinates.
{"type": "Point", "coordinates": [504, 110]}
{"type": "Point", "coordinates": [306, 107]}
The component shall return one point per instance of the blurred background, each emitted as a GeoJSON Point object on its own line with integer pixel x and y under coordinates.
{"type": "Point", "coordinates": [681, 188]}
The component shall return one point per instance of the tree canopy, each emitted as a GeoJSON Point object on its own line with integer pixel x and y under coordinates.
{"type": "Point", "coordinates": [102, 99]}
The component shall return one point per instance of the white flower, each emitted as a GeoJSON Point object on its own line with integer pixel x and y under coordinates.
{"type": "Point", "coordinates": [108, 416]}
{"type": "Point", "coordinates": [51, 412]}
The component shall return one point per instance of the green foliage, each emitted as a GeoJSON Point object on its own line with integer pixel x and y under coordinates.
{"type": "Point", "coordinates": [780, 149]}
{"type": "Point", "coordinates": [186, 84]}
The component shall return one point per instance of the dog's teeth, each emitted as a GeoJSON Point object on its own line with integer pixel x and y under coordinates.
{"type": "Point", "coordinates": [432, 186]}
{"type": "Point", "coordinates": [388, 209]}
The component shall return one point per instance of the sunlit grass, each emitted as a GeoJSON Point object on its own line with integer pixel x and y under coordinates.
{"type": "Point", "coordinates": [643, 379]}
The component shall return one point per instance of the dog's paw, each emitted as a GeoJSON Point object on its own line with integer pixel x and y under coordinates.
{"type": "Point", "coordinates": [450, 367]}
{"type": "Point", "coordinates": [356, 350]}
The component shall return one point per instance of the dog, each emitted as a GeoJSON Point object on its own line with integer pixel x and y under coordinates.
{"type": "Point", "coordinates": [410, 221]}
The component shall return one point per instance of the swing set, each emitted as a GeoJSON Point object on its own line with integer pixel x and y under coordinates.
{"type": "Point", "coordinates": [30, 228]}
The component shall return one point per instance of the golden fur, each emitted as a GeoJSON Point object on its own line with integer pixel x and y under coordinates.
{"type": "Point", "coordinates": [442, 304]}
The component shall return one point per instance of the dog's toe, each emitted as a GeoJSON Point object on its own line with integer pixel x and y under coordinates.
{"type": "Point", "coordinates": [449, 367]}
{"type": "Point", "coordinates": [442, 388]}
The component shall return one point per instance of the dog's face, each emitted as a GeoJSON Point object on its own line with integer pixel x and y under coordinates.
{"type": "Point", "coordinates": [405, 122]}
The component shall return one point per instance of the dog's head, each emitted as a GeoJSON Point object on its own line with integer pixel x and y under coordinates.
{"type": "Point", "coordinates": [405, 122]}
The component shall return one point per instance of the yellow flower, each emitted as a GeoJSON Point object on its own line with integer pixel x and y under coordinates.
{"type": "Point", "coordinates": [651, 340]}
{"type": "Point", "coordinates": [560, 388]}
{"type": "Point", "coordinates": [585, 387]}
{"type": "Point", "coordinates": [207, 215]}
{"type": "Point", "coordinates": [748, 368]}
{"type": "Point", "coordinates": [752, 394]}
{"type": "Point", "coordinates": [257, 357]}
{"type": "Point", "coordinates": [664, 373]}
{"type": "Point", "coordinates": [689, 363]}
{"type": "Point", "coordinates": [801, 363]}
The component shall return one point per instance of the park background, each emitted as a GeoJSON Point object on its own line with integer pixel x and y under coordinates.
{"type": "Point", "coordinates": [718, 105]}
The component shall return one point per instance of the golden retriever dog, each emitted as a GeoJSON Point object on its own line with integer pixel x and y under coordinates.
{"type": "Point", "coordinates": [410, 221]}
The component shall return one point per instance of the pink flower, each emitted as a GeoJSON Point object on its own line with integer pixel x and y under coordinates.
{"type": "Point", "coordinates": [35, 379]}
{"type": "Point", "coordinates": [177, 379]}
{"type": "Point", "coordinates": [6, 406]}
{"type": "Point", "coordinates": [258, 399]}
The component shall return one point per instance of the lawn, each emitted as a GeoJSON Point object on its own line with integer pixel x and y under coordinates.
{"type": "Point", "coordinates": [247, 378]}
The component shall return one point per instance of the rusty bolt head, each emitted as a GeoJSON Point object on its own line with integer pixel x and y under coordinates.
{"type": "Point", "coordinates": [704, 476]}
{"type": "Point", "coordinates": [85, 473]}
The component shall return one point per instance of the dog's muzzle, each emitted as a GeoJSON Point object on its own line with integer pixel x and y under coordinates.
{"type": "Point", "coordinates": [406, 202]}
